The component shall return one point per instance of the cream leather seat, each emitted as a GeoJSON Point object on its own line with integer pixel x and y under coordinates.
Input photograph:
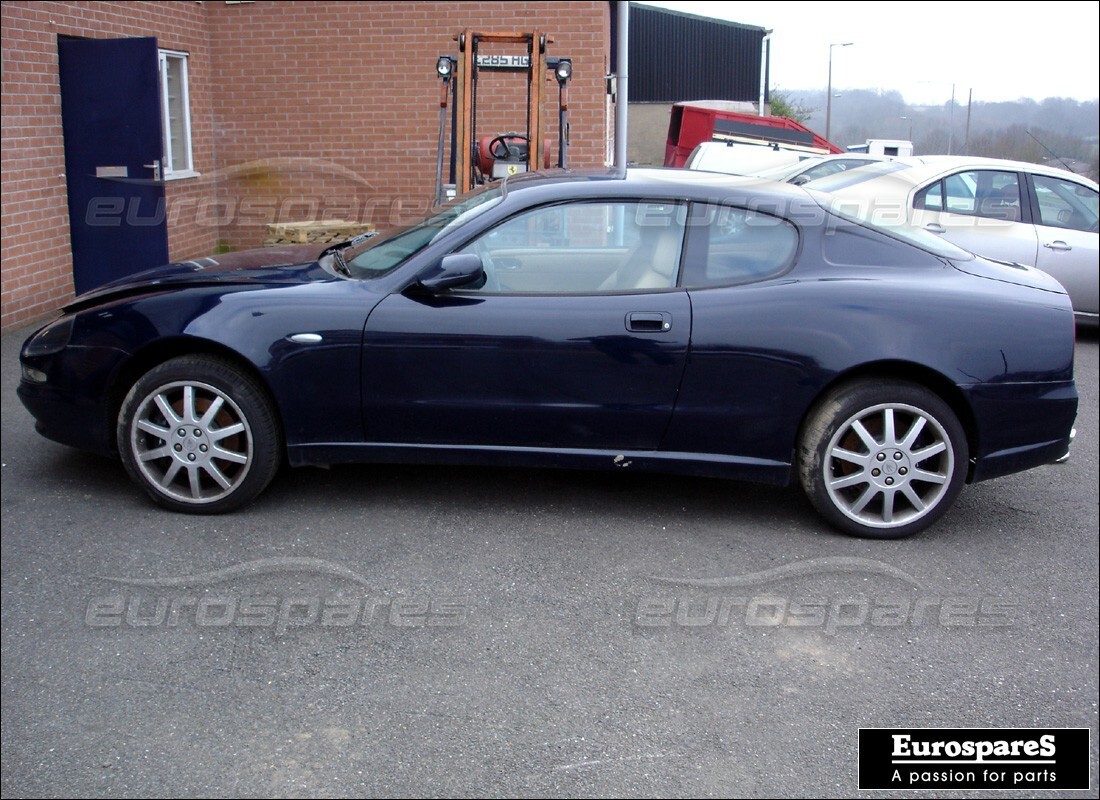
{"type": "Point", "coordinates": [651, 265]}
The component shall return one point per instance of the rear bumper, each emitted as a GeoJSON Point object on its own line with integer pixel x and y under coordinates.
{"type": "Point", "coordinates": [1021, 426]}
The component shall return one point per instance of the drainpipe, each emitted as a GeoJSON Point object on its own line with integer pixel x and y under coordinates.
{"type": "Point", "coordinates": [622, 96]}
{"type": "Point", "coordinates": [765, 47]}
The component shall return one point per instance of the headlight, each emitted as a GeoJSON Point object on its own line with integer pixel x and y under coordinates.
{"type": "Point", "coordinates": [51, 339]}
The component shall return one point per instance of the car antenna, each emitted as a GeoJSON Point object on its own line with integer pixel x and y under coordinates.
{"type": "Point", "coordinates": [1051, 152]}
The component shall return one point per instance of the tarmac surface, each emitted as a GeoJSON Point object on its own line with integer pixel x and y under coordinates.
{"type": "Point", "coordinates": [431, 631]}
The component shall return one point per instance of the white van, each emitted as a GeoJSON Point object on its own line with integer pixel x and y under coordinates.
{"type": "Point", "coordinates": [741, 159]}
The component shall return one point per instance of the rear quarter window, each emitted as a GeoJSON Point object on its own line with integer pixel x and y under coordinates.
{"type": "Point", "coordinates": [729, 246]}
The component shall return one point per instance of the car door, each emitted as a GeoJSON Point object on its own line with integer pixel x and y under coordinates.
{"type": "Point", "coordinates": [742, 393]}
{"type": "Point", "coordinates": [576, 339]}
{"type": "Point", "coordinates": [980, 211]}
{"type": "Point", "coordinates": [1066, 223]}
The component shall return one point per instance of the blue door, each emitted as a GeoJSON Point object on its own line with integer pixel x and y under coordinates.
{"type": "Point", "coordinates": [111, 118]}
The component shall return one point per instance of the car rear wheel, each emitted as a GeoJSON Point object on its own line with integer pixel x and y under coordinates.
{"type": "Point", "coordinates": [882, 459]}
{"type": "Point", "coordinates": [198, 435]}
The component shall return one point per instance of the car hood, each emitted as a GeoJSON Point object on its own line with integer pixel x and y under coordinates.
{"type": "Point", "coordinates": [1009, 272]}
{"type": "Point", "coordinates": [269, 265]}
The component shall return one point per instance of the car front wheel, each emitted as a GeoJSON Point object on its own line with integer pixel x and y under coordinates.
{"type": "Point", "coordinates": [882, 459]}
{"type": "Point", "coordinates": [199, 435]}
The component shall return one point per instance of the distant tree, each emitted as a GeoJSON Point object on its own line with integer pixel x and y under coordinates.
{"type": "Point", "coordinates": [783, 105]}
{"type": "Point", "coordinates": [1066, 127]}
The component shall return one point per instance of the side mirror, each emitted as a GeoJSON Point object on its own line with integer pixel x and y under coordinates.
{"type": "Point", "coordinates": [458, 269]}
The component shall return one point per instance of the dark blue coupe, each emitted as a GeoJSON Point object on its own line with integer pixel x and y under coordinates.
{"type": "Point", "coordinates": [655, 320]}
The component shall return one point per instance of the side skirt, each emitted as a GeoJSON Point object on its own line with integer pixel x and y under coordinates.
{"type": "Point", "coordinates": [704, 464]}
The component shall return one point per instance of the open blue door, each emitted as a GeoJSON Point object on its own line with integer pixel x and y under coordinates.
{"type": "Point", "coordinates": [111, 118]}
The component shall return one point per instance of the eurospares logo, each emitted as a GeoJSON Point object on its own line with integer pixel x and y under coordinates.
{"type": "Point", "coordinates": [1012, 759]}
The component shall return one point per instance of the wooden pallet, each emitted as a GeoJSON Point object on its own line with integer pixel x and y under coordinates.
{"type": "Point", "coordinates": [324, 231]}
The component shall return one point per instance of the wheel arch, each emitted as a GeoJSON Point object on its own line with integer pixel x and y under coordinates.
{"type": "Point", "coordinates": [910, 372]}
{"type": "Point", "coordinates": [162, 350]}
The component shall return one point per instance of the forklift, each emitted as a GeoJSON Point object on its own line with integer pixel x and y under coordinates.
{"type": "Point", "coordinates": [474, 161]}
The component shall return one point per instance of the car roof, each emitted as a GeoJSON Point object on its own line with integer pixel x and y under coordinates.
{"type": "Point", "coordinates": [913, 171]}
{"type": "Point", "coordinates": [931, 165]}
{"type": "Point", "coordinates": [653, 182]}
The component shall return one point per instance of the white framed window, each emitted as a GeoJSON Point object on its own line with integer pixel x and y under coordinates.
{"type": "Point", "coordinates": [175, 104]}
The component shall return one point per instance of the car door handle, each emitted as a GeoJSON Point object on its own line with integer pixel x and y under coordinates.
{"type": "Point", "coordinates": [306, 338]}
{"type": "Point", "coordinates": [935, 227]}
{"type": "Point", "coordinates": [1058, 245]}
{"type": "Point", "coordinates": [648, 321]}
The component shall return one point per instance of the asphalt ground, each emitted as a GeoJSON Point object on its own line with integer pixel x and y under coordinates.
{"type": "Point", "coordinates": [426, 631]}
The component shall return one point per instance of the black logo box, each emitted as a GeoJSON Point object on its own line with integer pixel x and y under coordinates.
{"type": "Point", "coordinates": [889, 763]}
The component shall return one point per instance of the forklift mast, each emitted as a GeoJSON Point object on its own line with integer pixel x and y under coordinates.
{"type": "Point", "coordinates": [467, 77]}
{"type": "Point", "coordinates": [468, 152]}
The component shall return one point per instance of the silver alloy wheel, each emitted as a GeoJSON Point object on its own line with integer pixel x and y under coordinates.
{"type": "Point", "coordinates": [888, 465]}
{"type": "Point", "coordinates": [191, 442]}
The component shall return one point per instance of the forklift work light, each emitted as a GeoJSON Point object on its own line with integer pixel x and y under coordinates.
{"type": "Point", "coordinates": [444, 66]}
{"type": "Point", "coordinates": [564, 70]}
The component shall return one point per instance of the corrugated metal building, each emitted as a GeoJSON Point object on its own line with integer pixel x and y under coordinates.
{"type": "Point", "coordinates": [676, 57]}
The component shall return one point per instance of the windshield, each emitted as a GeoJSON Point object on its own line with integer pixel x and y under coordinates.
{"type": "Point", "coordinates": [867, 216]}
{"type": "Point", "coordinates": [786, 170]}
{"type": "Point", "coordinates": [857, 175]}
{"type": "Point", "coordinates": [380, 254]}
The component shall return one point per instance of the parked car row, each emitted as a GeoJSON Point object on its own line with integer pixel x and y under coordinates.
{"type": "Point", "coordinates": [660, 320]}
{"type": "Point", "coordinates": [1005, 210]}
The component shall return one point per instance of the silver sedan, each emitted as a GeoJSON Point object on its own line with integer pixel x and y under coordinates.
{"type": "Point", "coordinates": [1006, 210]}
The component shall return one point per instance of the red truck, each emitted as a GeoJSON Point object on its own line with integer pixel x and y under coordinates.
{"type": "Point", "coordinates": [694, 123]}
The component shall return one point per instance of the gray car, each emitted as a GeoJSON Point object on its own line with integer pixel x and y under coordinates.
{"type": "Point", "coordinates": [1006, 210]}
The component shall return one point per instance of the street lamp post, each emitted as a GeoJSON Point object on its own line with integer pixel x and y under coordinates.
{"type": "Point", "coordinates": [910, 120]}
{"type": "Point", "coordinates": [829, 88]}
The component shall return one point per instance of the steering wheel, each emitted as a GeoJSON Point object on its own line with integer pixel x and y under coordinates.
{"type": "Point", "coordinates": [500, 147]}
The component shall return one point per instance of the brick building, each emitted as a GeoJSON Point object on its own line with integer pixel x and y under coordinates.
{"type": "Point", "coordinates": [274, 112]}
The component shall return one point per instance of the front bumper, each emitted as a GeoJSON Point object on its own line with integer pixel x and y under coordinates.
{"type": "Point", "coordinates": [73, 405]}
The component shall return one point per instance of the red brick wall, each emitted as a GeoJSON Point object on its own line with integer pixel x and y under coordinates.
{"type": "Point", "coordinates": [35, 259]}
{"type": "Point", "coordinates": [336, 104]}
{"type": "Point", "coordinates": [300, 110]}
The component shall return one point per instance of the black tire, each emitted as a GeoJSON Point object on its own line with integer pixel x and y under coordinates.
{"type": "Point", "coordinates": [882, 459]}
{"type": "Point", "coordinates": [199, 435]}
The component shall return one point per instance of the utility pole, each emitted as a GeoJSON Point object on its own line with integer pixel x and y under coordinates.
{"type": "Point", "coordinates": [829, 89]}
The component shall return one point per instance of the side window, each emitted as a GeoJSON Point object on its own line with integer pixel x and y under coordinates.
{"type": "Point", "coordinates": [729, 246]}
{"type": "Point", "coordinates": [930, 197]}
{"type": "Point", "coordinates": [983, 193]}
{"type": "Point", "coordinates": [583, 247]}
{"type": "Point", "coordinates": [175, 115]}
{"type": "Point", "coordinates": [958, 193]}
{"type": "Point", "coordinates": [1064, 204]}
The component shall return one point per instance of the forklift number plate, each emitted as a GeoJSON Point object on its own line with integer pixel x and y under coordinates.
{"type": "Point", "coordinates": [503, 62]}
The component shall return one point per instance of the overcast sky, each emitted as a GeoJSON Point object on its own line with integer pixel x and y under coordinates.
{"type": "Point", "coordinates": [1003, 51]}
